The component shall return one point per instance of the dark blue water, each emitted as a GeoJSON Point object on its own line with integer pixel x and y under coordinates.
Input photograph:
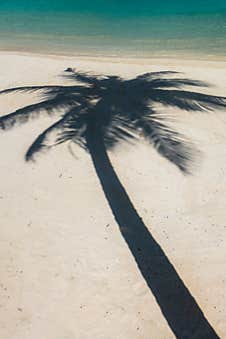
{"type": "Point", "coordinates": [118, 7]}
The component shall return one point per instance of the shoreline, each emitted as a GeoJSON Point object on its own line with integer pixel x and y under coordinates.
{"type": "Point", "coordinates": [169, 60]}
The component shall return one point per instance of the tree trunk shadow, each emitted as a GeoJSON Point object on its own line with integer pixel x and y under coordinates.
{"type": "Point", "coordinates": [178, 306]}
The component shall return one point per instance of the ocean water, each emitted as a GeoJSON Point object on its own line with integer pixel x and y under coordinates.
{"type": "Point", "coordinates": [115, 28]}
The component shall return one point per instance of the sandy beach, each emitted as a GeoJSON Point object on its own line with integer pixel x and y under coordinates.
{"type": "Point", "coordinates": [65, 270]}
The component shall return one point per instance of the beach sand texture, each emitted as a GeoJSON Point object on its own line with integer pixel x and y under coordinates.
{"type": "Point", "coordinates": [65, 270]}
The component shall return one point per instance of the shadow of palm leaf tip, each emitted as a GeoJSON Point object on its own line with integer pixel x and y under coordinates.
{"type": "Point", "coordinates": [97, 113]}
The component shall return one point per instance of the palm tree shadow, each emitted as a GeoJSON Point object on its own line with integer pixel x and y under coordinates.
{"type": "Point", "coordinates": [99, 114]}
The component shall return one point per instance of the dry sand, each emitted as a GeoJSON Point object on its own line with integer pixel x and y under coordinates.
{"type": "Point", "coordinates": [65, 271]}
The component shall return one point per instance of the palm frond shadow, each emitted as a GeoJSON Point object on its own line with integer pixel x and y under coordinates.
{"type": "Point", "coordinates": [97, 115]}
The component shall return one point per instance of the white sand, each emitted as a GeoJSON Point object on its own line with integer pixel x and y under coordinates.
{"type": "Point", "coordinates": [63, 273]}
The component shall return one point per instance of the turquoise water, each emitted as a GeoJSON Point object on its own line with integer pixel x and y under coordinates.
{"type": "Point", "coordinates": [115, 28]}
